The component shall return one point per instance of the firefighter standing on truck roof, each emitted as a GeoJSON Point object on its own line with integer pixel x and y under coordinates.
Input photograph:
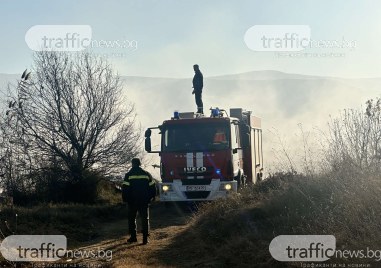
{"type": "Point", "coordinates": [197, 88]}
{"type": "Point", "coordinates": [138, 190]}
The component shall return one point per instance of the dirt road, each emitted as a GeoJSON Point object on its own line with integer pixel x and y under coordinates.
{"type": "Point", "coordinates": [167, 224]}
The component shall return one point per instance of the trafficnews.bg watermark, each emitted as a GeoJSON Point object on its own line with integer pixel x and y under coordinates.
{"type": "Point", "coordinates": [295, 41]}
{"type": "Point", "coordinates": [72, 38]}
{"type": "Point", "coordinates": [46, 248]}
{"type": "Point", "coordinates": [315, 248]}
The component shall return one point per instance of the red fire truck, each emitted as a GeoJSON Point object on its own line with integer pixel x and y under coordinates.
{"type": "Point", "coordinates": [204, 158]}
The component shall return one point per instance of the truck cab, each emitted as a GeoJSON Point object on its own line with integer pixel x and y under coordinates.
{"type": "Point", "coordinates": [205, 158]}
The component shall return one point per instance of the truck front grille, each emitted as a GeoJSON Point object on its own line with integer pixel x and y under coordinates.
{"type": "Point", "coordinates": [197, 195]}
{"type": "Point", "coordinates": [196, 181]}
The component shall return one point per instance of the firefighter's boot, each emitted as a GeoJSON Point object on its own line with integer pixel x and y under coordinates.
{"type": "Point", "coordinates": [132, 239]}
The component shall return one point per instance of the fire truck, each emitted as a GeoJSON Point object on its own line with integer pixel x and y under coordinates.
{"type": "Point", "coordinates": [205, 158]}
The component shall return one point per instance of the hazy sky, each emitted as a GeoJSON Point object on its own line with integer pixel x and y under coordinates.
{"type": "Point", "coordinates": [172, 35]}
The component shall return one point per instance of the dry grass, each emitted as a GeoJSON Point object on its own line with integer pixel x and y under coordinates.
{"type": "Point", "coordinates": [235, 232]}
{"type": "Point", "coordinates": [80, 223]}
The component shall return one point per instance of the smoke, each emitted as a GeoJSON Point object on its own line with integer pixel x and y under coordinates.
{"type": "Point", "coordinates": [285, 102]}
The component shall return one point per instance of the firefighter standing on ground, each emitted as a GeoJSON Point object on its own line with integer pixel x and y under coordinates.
{"type": "Point", "coordinates": [197, 88]}
{"type": "Point", "coordinates": [138, 190]}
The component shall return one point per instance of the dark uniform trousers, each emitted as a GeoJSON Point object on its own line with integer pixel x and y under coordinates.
{"type": "Point", "coordinates": [143, 211]}
{"type": "Point", "coordinates": [200, 105]}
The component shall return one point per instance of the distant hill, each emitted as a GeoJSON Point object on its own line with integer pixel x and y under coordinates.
{"type": "Point", "coordinates": [273, 95]}
{"type": "Point", "coordinates": [263, 75]}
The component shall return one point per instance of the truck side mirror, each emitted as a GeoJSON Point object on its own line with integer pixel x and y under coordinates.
{"type": "Point", "coordinates": [148, 133]}
{"type": "Point", "coordinates": [147, 141]}
{"type": "Point", "coordinates": [147, 144]}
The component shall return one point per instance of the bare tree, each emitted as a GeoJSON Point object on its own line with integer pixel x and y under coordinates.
{"type": "Point", "coordinates": [75, 111]}
{"type": "Point", "coordinates": [15, 159]}
{"type": "Point", "coordinates": [355, 138]}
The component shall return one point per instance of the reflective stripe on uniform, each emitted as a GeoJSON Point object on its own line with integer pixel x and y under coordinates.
{"type": "Point", "coordinates": [126, 183]}
{"type": "Point", "coordinates": [137, 177]}
{"type": "Point", "coordinates": [151, 183]}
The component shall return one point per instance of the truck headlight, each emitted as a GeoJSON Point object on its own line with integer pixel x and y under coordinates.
{"type": "Point", "coordinates": [166, 188]}
{"type": "Point", "coordinates": [228, 187]}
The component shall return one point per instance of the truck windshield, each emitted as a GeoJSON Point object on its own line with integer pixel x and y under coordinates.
{"type": "Point", "coordinates": [196, 137]}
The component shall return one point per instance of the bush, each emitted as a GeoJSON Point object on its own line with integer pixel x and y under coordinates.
{"type": "Point", "coordinates": [237, 231]}
{"type": "Point", "coordinates": [80, 223]}
{"type": "Point", "coordinates": [52, 185]}
{"type": "Point", "coordinates": [354, 140]}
